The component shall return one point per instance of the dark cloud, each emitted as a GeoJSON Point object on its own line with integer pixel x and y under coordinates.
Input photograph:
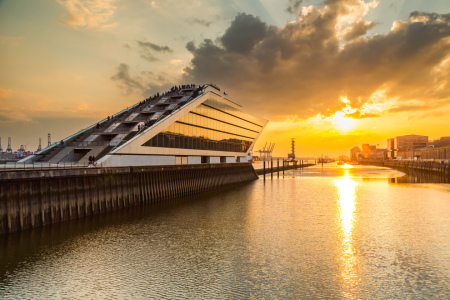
{"type": "Point", "coordinates": [294, 6]}
{"type": "Point", "coordinates": [244, 33]}
{"type": "Point", "coordinates": [201, 22]}
{"type": "Point", "coordinates": [149, 57]}
{"type": "Point", "coordinates": [303, 68]}
{"type": "Point", "coordinates": [190, 46]}
{"type": "Point", "coordinates": [154, 47]}
{"type": "Point", "coordinates": [146, 49]}
{"type": "Point", "coordinates": [430, 17]}
{"type": "Point", "coordinates": [145, 84]}
{"type": "Point", "coordinates": [129, 83]}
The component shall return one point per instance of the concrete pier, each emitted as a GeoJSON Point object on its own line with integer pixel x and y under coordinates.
{"type": "Point", "coordinates": [41, 197]}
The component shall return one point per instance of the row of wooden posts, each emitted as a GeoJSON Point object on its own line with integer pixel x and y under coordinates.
{"type": "Point", "coordinates": [270, 168]}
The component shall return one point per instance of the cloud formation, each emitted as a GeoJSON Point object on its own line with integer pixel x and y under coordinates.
{"type": "Point", "coordinates": [4, 93]}
{"type": "Point", "coordinates": [128, 83]}
{"type": "Point", "coordinates": [81, 107]}
{"type": "Point", "coordinates": [304, 67]}
{"type": "Point", "coordinates": [146, 49]}
{"type": "Point", "coordinates": [358, 29]}
{"type": "Point", "coordinates": [197, 21]}
{"type": "Point", "coordinates": [242, 41]}
{"type": "Point", "coordinates": [294, 6]}
{"type": "Point", "coordinates": [7, 115]}
{"type": "Point", "coordinates": [146, 84]}
{"type": "Point", "coordinates": [83, 14]}
{"type": "Point", "coordinates": [154, 47]}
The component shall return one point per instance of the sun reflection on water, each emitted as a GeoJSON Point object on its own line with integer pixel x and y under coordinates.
{"type": "Point", "coordinates": [346, 191]}
{"type": "Point", "coordinates": [346, 166]}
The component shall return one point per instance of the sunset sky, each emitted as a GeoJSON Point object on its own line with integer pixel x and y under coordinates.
{"type": "Point", "coordinates": [333, 74]}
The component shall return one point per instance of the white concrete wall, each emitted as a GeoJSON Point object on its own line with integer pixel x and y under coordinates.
{"type": "Point", "coordinates": [242, 159]}
{"type": "Point", "coordinates": [213, 160]}
{"type": "Point", "coordinates": [193, 160]}
{"type": "Point", "coordinates": [230, 159]}
{"type": "Point", "coordinates": [136, 160]}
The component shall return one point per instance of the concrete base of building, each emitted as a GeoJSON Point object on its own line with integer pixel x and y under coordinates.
{"type": "Point", "coordinates": [194, 160]}
{"type": "Point", "coordinates": [228, 159]}
{"type": "Point", "coordinates": [160, 160]}
{"type": "Point", "coordinates": [213, 160]}
{"type": "Point", "coordinates": [137, 160]}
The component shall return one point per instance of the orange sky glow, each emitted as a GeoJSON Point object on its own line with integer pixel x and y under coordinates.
{"type": "Point", "coordinates": [332, 74]}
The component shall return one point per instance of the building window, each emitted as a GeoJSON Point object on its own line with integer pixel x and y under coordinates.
{"type": "Point", "coordinates": [213, 126]}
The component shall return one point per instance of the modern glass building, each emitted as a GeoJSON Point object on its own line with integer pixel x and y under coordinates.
{"type": "Point", "coordinates": [187, 125]}
{"type": "Point", "coordinates": [210, 128]}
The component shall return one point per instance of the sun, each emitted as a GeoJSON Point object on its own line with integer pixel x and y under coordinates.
{"type": "Point", "coordinates": [345, 124]}
{"type": "Point", "coordinates": [342, 122]}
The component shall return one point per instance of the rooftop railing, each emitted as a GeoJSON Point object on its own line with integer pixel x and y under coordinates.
{"type": "Point", "coordinates": [88, 144]}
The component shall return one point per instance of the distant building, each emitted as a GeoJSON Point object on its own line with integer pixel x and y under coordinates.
{"type": "Point", "coordinates": [367, 150]}
{"type": "Point", "coordinates": [437, 154]}
{"type": "Point", "coordinates": [378, 154]}
{"type": "Point", "coordinates": [405, 143]}
{"type": "Point", "coordinates": [355, 153]}
{"type": "Point", "coordinates": [391, 148]}
{"type": "Point", "coordinates": [440, 142]}
{"type": "Point", "coordinates": [7, 156]}
{"type": "Point", "coordinates": [344, 158]}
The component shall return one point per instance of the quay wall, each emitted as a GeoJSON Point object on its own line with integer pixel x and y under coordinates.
{"type": "Point", "coordinates": [440, 168]}
{"type": "Point", "coordinates": [37, 198]}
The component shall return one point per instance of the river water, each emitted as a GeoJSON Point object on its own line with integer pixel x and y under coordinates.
{"type": "Point", "coordinates": [357, 233]}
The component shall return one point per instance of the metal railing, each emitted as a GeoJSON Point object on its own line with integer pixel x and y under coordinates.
{"type": "Point", "coordinates": [45, 166]}
{"type": "Point", "coordinates": [88, 144]}
{"type": "Point", "coordinates": [67, 166]}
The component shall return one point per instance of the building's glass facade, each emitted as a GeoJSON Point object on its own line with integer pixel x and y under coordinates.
{"type": "Point", "coordinates": [213, 126]}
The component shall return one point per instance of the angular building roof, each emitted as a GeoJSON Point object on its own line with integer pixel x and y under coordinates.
{"type": "Point", "coordinates": [187, 121]}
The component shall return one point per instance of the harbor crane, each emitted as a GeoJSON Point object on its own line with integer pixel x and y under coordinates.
{"type": "Point", "coordinates": [266, 152]}
{"type": "Point", "coordinates": [39, 147]}
{"type": "Point", "coordinates": [9, 149]}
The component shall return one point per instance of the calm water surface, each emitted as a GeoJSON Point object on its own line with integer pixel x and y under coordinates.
{"type": "Point", "coordinates": [359, 233]}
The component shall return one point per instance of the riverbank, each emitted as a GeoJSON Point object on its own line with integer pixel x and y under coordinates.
{"type": "Point", "coordinates": [427, 166]}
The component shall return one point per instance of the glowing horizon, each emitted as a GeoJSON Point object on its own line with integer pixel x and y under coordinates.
{"type": "Point", "coordinates": [333, 85]}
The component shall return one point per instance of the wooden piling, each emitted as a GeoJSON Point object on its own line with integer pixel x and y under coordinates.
{"type": "Point", "coordinates": [264, 172]}
{"type": "Point", "coordinates": [278, 168]}
{"type": "Point", "coordinates": [271, 168]}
